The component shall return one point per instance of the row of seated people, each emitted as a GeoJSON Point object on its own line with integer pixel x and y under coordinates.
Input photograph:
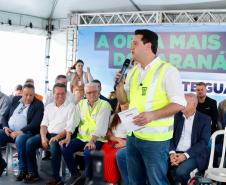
{"type": "Point", "coordinates": [55, 120]}
{"type": "Point", "coordinates": [60, 119]}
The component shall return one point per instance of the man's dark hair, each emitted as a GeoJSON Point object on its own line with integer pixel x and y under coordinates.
{"type": "Point", "coordinates": [60, 76]}
{"type": "Point", "coordinates": [30, 86]}
{"type": "Point", "coordinates": [29, 81]}
{"type": "Point", "coordinates": [200, 84]}
{"type": "Point", "coordinates": [18, 87]}
{"type": "Point", "coordinates": [97, 81]}
{"type": "Point", "coordinates": [60, 85]}
{"type": "Point", "coordinates": [149, 36]}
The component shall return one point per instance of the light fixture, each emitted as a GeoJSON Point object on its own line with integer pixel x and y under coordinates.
{"type": "Point", "coordinates": [196, 18]}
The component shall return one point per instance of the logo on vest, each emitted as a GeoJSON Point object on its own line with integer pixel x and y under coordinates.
{"type": "Point", "coordinates": [144, 91]}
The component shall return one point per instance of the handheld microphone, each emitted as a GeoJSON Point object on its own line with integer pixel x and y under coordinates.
{"type": "Point", "coordinates": [123, 70]}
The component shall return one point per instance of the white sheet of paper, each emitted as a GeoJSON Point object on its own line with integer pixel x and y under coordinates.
{"type": "Point", "coordinates": [127, 119]}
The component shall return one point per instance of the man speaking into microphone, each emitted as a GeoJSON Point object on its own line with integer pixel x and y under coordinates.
{"type": "Point", "coordinates": [154, 88]}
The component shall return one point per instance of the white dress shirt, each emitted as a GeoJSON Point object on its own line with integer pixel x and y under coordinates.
{"type": "Point", "coordinates": [185, 140]}
{"type": "Point", "coordinates": [57, 119]}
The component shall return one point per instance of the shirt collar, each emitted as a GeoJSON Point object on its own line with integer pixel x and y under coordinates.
{"type": "Point", "coordinates": [21, 101]}
{"type": "Point", "coordinates": [66, 102]}
{"type": "Point", "coordinates": [156, 59]}
{"type": "Point", "coordinates": [190, 117]}
{"type": "Point", "coordinates": [94, 102]}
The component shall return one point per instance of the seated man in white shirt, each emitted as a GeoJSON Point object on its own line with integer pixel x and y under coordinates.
{"type": "Point", "coordinates": [92, 122]}
{"type": "Point", "coordinates": [58, 115]}
{"type": "Point", "coordinates": [189, 145]}
{"type": "Point", "coordinates": [62, 79]}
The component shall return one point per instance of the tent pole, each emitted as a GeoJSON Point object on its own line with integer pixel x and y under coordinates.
{"type": "Point", "coordinates": [47, 58]}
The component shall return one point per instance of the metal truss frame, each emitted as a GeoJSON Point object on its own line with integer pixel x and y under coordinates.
{"type": "Point", "coordinates": [137, 18]}
{"type": "Point", "coordinates": [153, 17]}
{"type": "Point", "coordinates": [116, 18]}
{"type": "Point", "coordinates": [22, 23]}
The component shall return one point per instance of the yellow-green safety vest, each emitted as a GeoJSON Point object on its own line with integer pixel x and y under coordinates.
{"type": "Point", "coordinates": [87, 123]}
{"type": "Point", "coordinates": [151, 90]}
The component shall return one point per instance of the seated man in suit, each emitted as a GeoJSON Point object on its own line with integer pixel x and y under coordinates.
{"type": "Point", "coordinates": [24, 117]}
{"type": "Point", "coordinates": [189, 145]}
{"type": "Point", "coordinates": [92, 122]}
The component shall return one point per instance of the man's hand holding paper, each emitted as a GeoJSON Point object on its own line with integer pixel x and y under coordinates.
{"type": "Point", "coordinates": [143, 118]}
{"type": "Point", "coordinates": [127, 118]}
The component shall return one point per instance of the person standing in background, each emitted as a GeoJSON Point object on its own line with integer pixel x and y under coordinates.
{"type": "Point", "coordinates": [78, 79]}
{"type": "Point", "coordinates": [31, 81]}
{"type": "Point", "coordinates": [49, 98]}
{"type": "Point", "coordinates": [207, 105]}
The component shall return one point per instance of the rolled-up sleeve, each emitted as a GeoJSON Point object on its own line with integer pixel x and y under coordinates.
{"type": "Point", "coordinates": [173, 86]}
{"type": "Point", "coordinates": [45, 120]}
{"type": "Point", "coordinates": [73, 118]}
{"type": "Point", "coordinates": [102, 121]}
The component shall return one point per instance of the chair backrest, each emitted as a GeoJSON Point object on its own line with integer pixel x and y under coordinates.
{"type": "Point", "coordinates": [224, 120]}
{"type": "Point", "coordinates": [213, 139]}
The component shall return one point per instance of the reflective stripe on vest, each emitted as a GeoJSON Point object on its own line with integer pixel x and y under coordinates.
{"type": "Point", "coordinates": [88, 119]}
{"type": "Point", "coordinates": [149, 97]}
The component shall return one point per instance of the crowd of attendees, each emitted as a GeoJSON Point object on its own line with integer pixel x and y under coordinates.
{"type": "Point", "coordinates": [81, 119]}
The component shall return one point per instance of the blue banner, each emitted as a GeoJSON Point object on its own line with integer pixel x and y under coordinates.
{"type": "Point", "coordinates": [198, 51]}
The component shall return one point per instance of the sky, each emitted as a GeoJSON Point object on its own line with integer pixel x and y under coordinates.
{"type": "Point", "coordinates": [23, 56]}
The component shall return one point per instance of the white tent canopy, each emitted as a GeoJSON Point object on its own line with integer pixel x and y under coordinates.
{"type": "Point", "coordinates": [52, 17]}
{"type": "Point", "coordinates": [61, 8]}
{"type": "Point", "coordinates": [36, 14]}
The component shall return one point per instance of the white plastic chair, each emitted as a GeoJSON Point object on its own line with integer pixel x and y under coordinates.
{"type": "Point", "coordinates": [217, 174]}
{"type": "Point", "coordinates": [39, 153]}
{"type": "Point", "coordinates": [9, 155]}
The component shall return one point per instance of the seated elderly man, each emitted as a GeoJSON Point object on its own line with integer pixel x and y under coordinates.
{"type": "Point", "coordinates": [92, 123]}
{"type": "Point", "coordinates": [24, 117]}
{"type": "Point", "coordinates": [58, 115]}
{"type": "Point", "coordinates": [189, 145]}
